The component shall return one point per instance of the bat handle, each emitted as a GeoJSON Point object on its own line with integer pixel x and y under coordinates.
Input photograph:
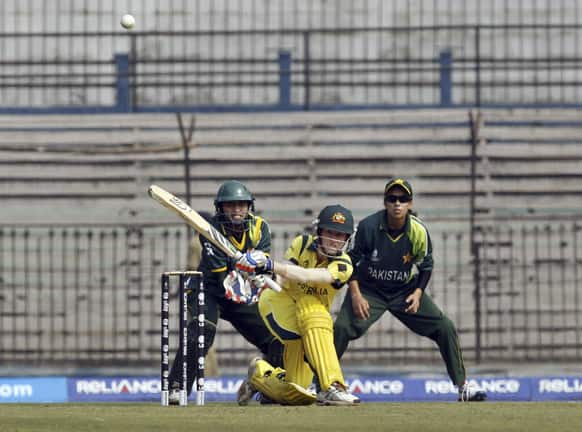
{"type": "Point", "coordinates": [273, 285]}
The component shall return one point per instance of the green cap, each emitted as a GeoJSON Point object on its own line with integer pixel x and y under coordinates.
{"type": "Point", "coordinates": [336, 218]}
{"type": "Point", "coordinates": [398, 182]}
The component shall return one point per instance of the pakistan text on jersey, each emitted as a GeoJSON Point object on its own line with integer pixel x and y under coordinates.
{"type": "Point", "coordinates": [387, 275]}
{"type": "Point", "coordinates": [307, 289]}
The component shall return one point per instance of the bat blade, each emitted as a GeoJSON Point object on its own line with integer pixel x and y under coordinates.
{"type": "Point", "coordinates": [201, 225]}
{"type": "Point", "coordinates": [193, 218]}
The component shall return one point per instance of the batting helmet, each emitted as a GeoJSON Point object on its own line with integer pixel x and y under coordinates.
{"type": "Point", "coordinates": [337, 218]}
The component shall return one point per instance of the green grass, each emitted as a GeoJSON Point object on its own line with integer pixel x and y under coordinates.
{"type": "Point", "coordinates": [370, 417]}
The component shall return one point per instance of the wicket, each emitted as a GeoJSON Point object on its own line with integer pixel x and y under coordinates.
{"type": "Point", "coordinates": [185, 283]}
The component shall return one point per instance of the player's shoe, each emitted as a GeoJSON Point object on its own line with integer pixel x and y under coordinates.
{"type": "Point", "coordinates": [174, 396]}
{"type": "Point", "coordinates": [336, 394]}
{"type": "Point", "coordinates": [264, 400]}
{"type": "Point", "coordinates": [246, 391]}
{"type": "Point", "coordinates": [471, 392]}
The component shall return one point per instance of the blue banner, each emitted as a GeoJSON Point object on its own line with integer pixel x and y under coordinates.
{"type": "Point", "coordinates": [143, 388]}
{"type": "Point", "coordinates": [557, 388]}
{"type": "Point", "coordinates": [395, 389]}
{"type": "Point", "coordinates": [375, 388]}
{"type": "Point", "coordinates": [26, 390]}
{"type": "Point", "coordinates": [113, 389]}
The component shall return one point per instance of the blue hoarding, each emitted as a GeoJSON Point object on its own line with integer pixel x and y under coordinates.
{"type": "Point", "coordinates": [143, 388]}
{"type": "Point", "coordinates": [375, 388]}
{"type": "Point", "coordinates": [557, 388]}
{"type": "Point", "coordinates": [396, 389]}
{"type": "Point", "coordinates": [26, 390]}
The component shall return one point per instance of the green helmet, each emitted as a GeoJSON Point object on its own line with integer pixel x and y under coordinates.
{"type": "Point", "coordinates": [233, 190]}
{"type": "Point", "coordinates": [336, 218]}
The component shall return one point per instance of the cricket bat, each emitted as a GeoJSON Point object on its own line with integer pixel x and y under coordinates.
{"type": "Point", "coordinates": [201, 225]}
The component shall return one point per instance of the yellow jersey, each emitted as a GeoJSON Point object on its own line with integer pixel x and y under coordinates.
{"type": "Point", "coordinates": [303, 252]}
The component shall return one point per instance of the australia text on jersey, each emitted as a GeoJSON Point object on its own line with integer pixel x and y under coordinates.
{"type": "Point", "coordinates": [311, 290]}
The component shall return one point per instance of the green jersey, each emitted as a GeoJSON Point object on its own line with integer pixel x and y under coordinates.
{"type": "Point", "coordinates": [215, 265]}
{"type": "Point", "coordinates": [385, 264]}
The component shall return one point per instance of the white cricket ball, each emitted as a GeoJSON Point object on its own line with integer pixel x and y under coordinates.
{"type": "Point", "coordinates": [127, 21]}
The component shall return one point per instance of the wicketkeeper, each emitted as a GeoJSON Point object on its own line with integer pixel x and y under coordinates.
{"type": "Point", "coordinates": [234, 218]}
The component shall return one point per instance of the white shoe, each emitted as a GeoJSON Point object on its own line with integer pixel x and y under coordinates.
{"type": "Point", "coordinates": [337, 394]}
{"type": "Point", "coordinates": [471, 392]}
{"type": "Point", "coordinates": [246, 391]}
{"type": "Point", "coordinates": [174, 397]}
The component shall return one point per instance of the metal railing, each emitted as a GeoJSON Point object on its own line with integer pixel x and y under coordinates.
{"type": "Point", "coordinates": [331, 68]}
{"type": "Point", "coordinates": [89, 296]}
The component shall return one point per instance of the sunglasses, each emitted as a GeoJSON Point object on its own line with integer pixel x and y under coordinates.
{"type": "Point", "coordinates": [402, 198]}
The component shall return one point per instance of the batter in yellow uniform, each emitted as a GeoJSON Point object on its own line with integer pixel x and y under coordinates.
{"type": "Point", "coordinates": [299, 316]}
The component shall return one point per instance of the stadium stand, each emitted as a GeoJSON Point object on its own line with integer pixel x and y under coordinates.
{"type": "Point", "coordinates": [527, 168]}
{"type": "Point", "coordinates": [525, 165]}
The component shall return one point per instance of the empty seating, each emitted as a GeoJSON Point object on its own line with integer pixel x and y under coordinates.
{"type": "Point", "coordinates": [95, 170]}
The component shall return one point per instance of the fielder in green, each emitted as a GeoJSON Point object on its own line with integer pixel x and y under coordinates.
{"type": "Point", "coordinates": [392, 256]}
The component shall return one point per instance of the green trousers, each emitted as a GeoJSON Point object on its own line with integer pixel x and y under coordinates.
{"type": "Point", "coordinates": [429, 321]}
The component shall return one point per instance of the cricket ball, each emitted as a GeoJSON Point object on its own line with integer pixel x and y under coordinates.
{"type": "Point", "coordinates": [127, 21]}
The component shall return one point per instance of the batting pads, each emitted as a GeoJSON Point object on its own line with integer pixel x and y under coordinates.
{"type": "Point", "coordinates": [316, 327]}
{"type": "Point", "coordinates": [271, 382]}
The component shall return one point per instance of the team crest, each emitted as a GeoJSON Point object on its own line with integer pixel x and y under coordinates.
{"type": "Point", "coordinates": [407, 258]}
{"type": "Point", "coordinates": [338, 218]}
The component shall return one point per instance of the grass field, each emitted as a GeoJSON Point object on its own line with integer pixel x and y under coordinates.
{"type": "Point", "coordinates": [370, 417]}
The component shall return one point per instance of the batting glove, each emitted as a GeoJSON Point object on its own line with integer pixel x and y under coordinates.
{"type": "Point", "coordinates": [239, 290]}
{"type": "Point", "coordinates": [258, 284]}
{"type": "Point", "coordinates": [253, 260]}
